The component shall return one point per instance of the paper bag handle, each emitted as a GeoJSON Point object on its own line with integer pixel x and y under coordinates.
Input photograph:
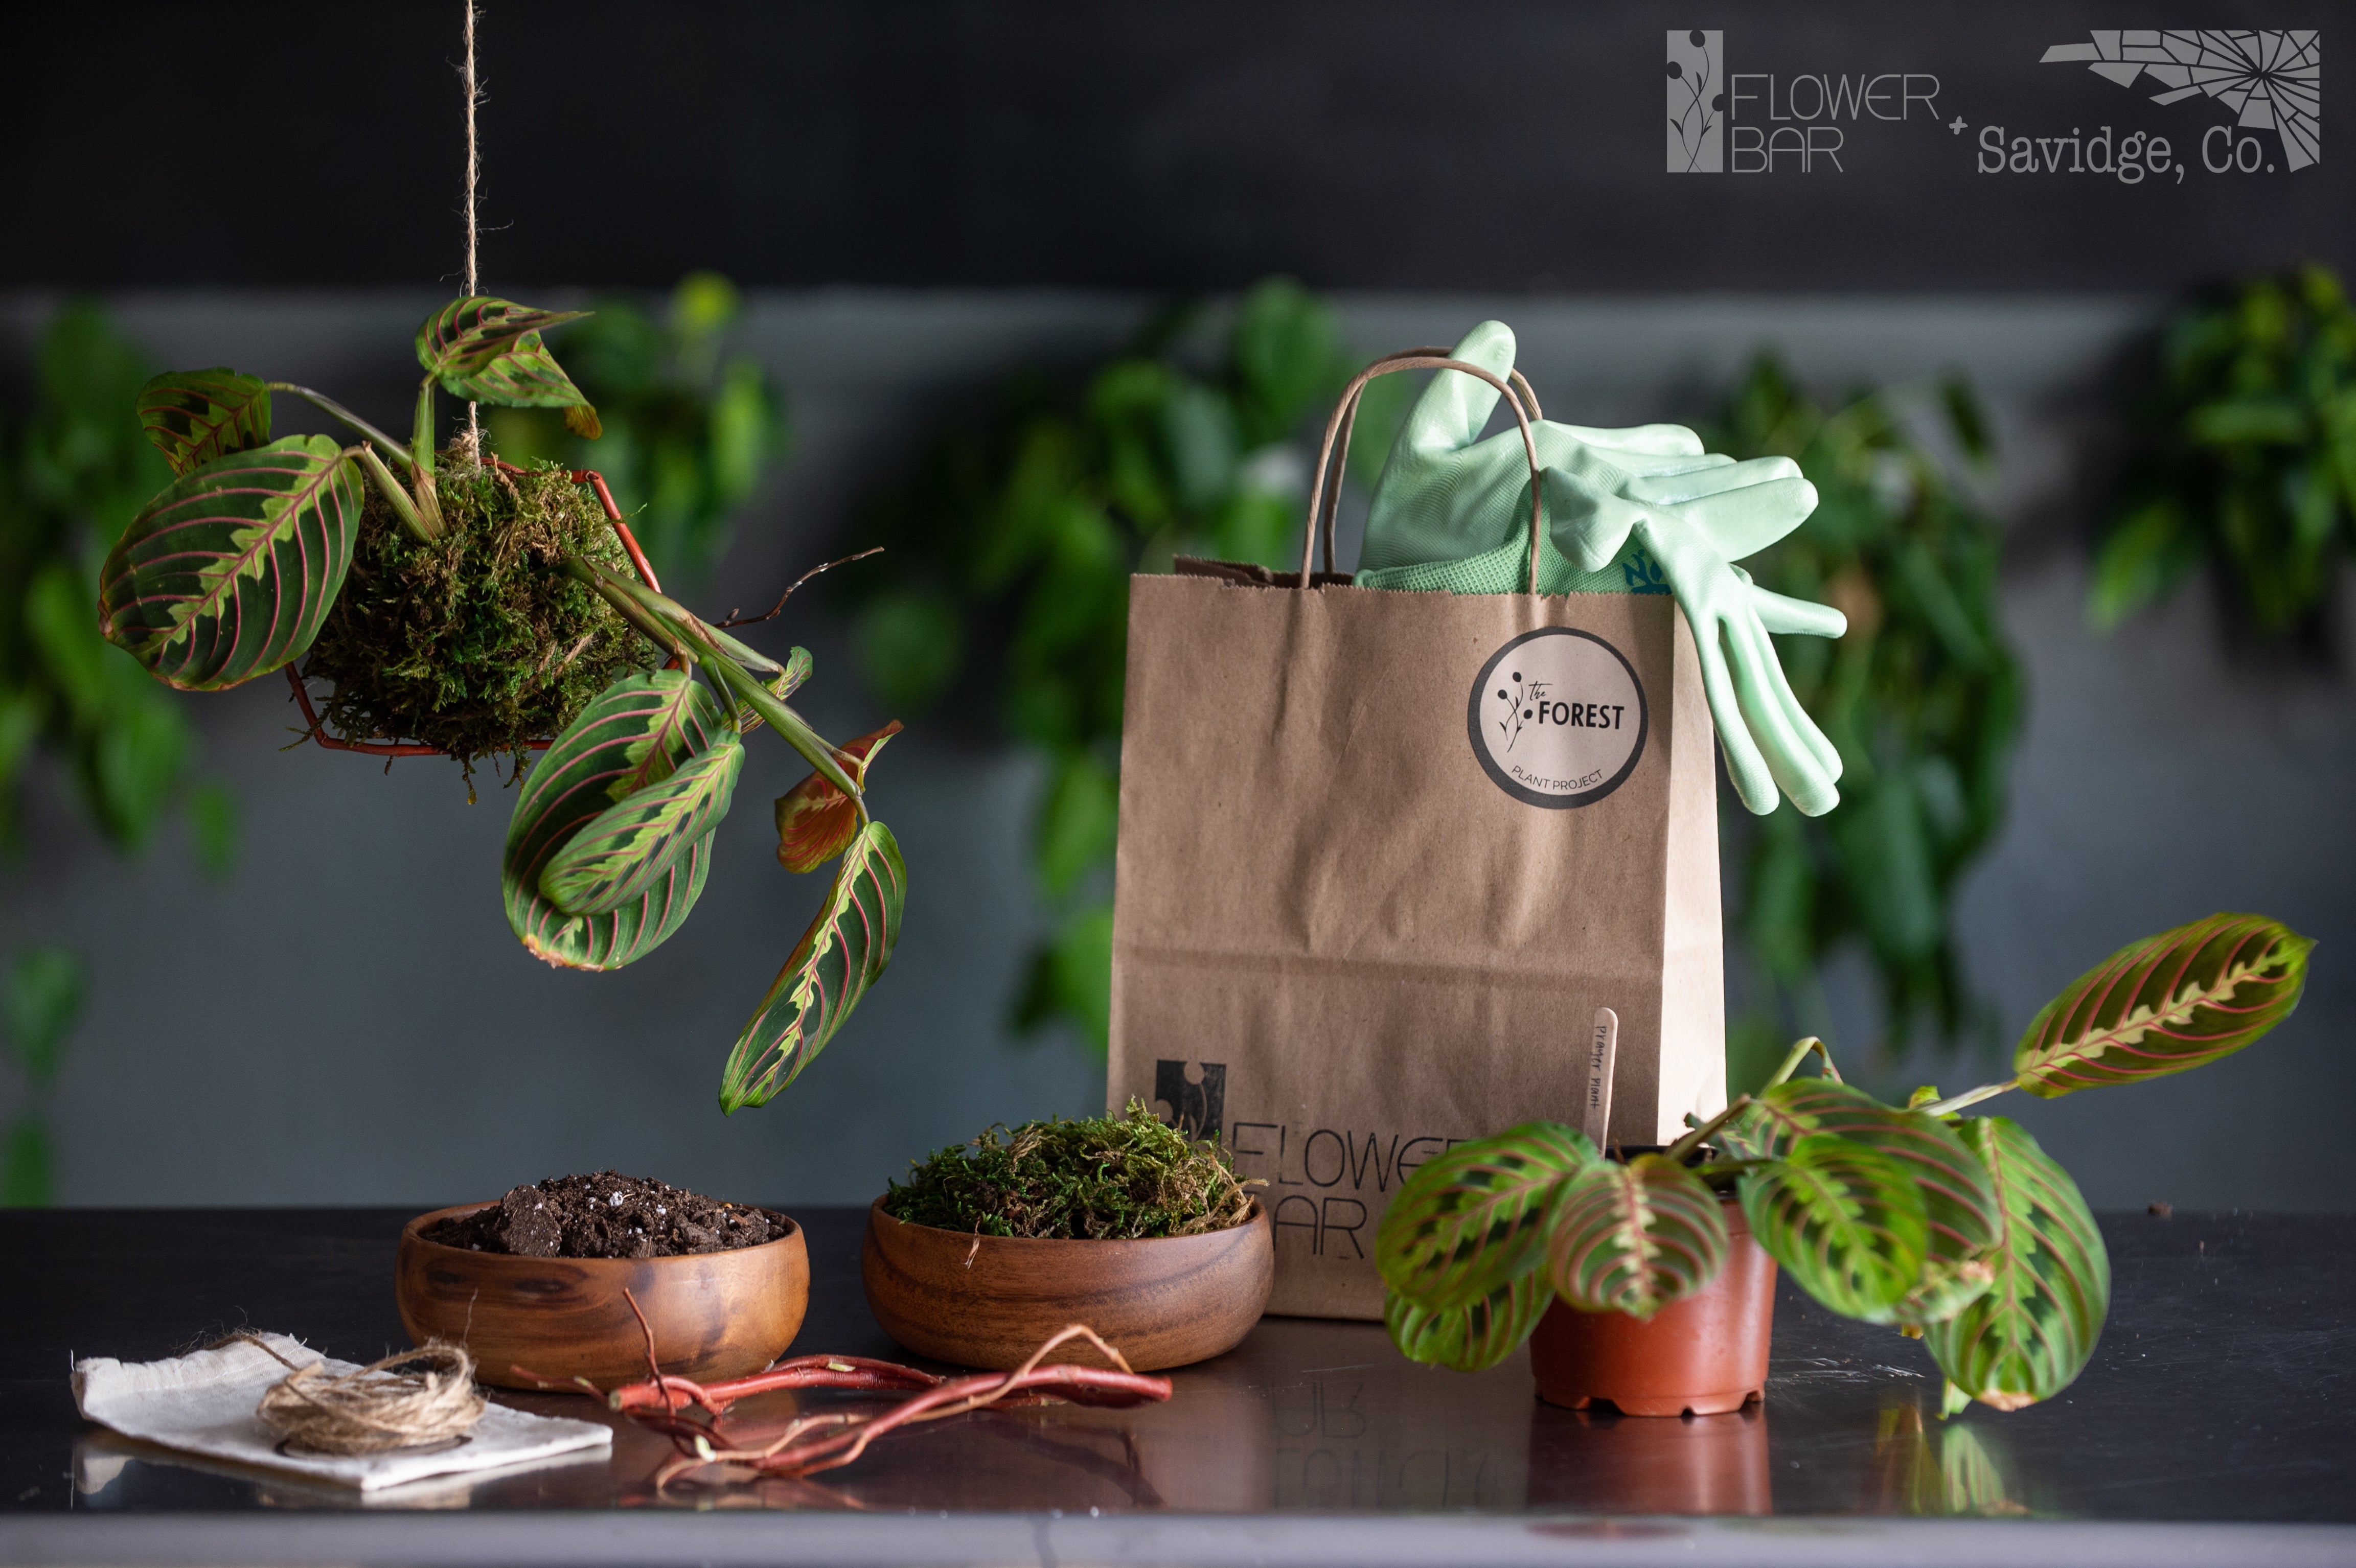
{"type": "Point", "coordinates": [1325, 494]}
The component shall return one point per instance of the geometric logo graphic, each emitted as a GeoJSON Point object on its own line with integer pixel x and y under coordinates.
{"type": "Point", "coordinates": [1697, 102]}
{"type": "Point", "coordinates": [1557, 718]}
{"type": "Point", "coordinates": [2272, 80]}
{"type": "Point", "coordinates": [1199, 1107]}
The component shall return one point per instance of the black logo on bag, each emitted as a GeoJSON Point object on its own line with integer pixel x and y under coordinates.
{"type": "Point", "coordinates": [1557, 718]}
{"type": "Point", "coordinates": [1196, 1109]}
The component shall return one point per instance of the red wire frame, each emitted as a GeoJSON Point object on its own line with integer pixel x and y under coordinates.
{"type": "Point", "coordinates": [316, 727]}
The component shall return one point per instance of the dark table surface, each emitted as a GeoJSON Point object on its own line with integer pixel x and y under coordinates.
{"type": "Point", "coordinates": [2214, 1425]}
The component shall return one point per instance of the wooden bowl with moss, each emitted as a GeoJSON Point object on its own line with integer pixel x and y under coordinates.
{"type": "Point", "coordinates": [1118, 1223]}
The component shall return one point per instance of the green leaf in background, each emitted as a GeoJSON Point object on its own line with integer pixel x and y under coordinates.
{"type": "Point", "coordinates": [43, 1001]}
{"type": "Point", "coordinates": [1473, 1219]}
{"type": "Point", "coordinates": [1078, 821]}
{"type": "Point", "coordinates": [909, 644]}
{"type": "Point", "coordinates": [2034, 1330]}
{"type": "Point", "coordinates": [1477, 1335]}
{"type": "Point", "coordinates": [620, 855]}
{"type": "Point", "coordinates": [634, 733]}
{"type": "Point", "coordinates": [2240, 455]}
{"type": "Point", "coordinates": [1844, 1219]}
{"type": "Point", "coordinates": [28, 1165]}
{"type": "Point", "coordinates": [214, 829]}
{"type": "Point", "coordinates": [2170, 1002]}
{"type": "Point", "coordinates": [1070, 979]}
{"type": "Point", "coordinates": [195, 416]}
{"type": "Point", "coordinates": [227, 573]}
{"type": "Point", "coordinates": [842, 953]}
{"type": "Point", "coordinates": [1922, 698]}
{"type": "Point", "coordinates": [1635, 1237]}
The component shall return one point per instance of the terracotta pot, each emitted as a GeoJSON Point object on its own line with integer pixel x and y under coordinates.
{"type": "Point", "coordinates": [715, 1315]}
{"type": "Point", "coordinates": [990, 1301]}
{"type": "Point", "coordinates": [1701, 1356]}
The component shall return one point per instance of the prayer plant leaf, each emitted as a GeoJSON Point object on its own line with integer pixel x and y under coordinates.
{"type": "Point", "coordinates": [842, 953]}
{"type": "Point", "coordinates": [489, 351]}
{"type": "Point", "coordinates": [816, 821]}
{"type": "Point", "coordinates": [230, 572]}
{"type": "Point", "coordinates": [2035, 1327]}
{"type": "Point", "coordinates": [195, 416]}
{"type": "Point", "coordinates": [2177, 1001]}
{"type": "Point", "coordinates": [617, 856]}
{"type": "Point", "coordinates": [1959, 1205]}
{"type": "Point", "coordinates": [1481, 1333]}
{"type": "Point", "coordinates": [1474, 1219]}
{"type": "Point", "coordinates": [1633, 1238]}
{"type": "Point", "coordinates": [633, 735]}
{"type": "Point", "coordinates": [1844, 1219]}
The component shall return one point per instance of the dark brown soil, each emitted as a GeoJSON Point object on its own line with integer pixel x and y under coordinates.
{"type": "Point", "coordinates": [605, 1215]}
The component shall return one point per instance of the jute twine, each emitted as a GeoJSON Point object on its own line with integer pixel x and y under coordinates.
{"type": "Point", "coordinates": [375, 1408]}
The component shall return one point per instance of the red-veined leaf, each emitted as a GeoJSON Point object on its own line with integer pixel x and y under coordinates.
{"type": "Point", "coordinates": [1633, 1238]}
{"type": "Point", "coordinates": [2177, 1001]}
{"type": "Point", "coordinates": [1473, 1219]}
{"type": "Point", "coordinates": [1844, 1219]}
{"type": "Point", "coordinates": [1481, 1333]}
{"type": "Point", "coordinates": [195, 416]}
{"type": "Point", "coordinates": [845, 948]}
{"type": "Point", "coordinates": [623, 850]}
{"type": "Point", "coordinates": [489, 351]}
{"type": "Point", "coordinates": [633, 734]}
{"type": "Point", "coordinates": [816, 821]}
{"type": "Point", "coordinates": [1959, 1206]}
{"type": "Point", "coordinates": [2035, 1327]}
{"type": "Point", "coordinates": [230, 572]}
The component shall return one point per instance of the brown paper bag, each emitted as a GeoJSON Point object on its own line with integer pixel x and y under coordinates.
{"type": "Point", "coordinates": [1383, 857]}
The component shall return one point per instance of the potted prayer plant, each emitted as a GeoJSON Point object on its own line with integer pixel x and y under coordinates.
{"type": "Point", "coordinates": [1959, 1230]}
{"type": "Point", "coordinates": [1119, 1222]}
{"type": "Point", "coordinates": [466, 606]}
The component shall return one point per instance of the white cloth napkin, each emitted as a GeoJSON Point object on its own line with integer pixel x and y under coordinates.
{"type": "Point", "coordinates": [204, 1403]}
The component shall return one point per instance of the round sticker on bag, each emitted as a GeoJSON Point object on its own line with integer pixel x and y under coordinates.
{"type": "Point", "coordinates": [1557, 718]}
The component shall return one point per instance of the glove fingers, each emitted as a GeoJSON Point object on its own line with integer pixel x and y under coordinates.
{"type": "Point", "coordinates": [1790, 759]}
{"type": "Point", "coordinates": [1670, 487]}
{"type": "Point", "coordinates": [1450, 414]}
{"type": "Point", "coordinates": [1803, 723]}
{"type": "Point", "coordinates": [1744, 521]}
{"type": "Point", "coordinates": [1754, 784]}
{"type": "Point", "coordinates": [1589, 524]}
{"type": "Point", "coordinates": [1659, 440]}
{"type": "Point", "coordinates": [1797, 617]}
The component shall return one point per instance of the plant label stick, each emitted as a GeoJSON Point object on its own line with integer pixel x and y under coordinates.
{"type": "Point", "coordinates": [1602, 1053]}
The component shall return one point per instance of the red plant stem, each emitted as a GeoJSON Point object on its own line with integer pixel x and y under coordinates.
{"type": "Point", "coordinates": [597, 481]}
{"type": "Point", "coordinates": [802, 1372]}
{"type": "Point", "coordinates": [317, 732]}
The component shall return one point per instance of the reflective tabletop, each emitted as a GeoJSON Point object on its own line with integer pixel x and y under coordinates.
{"type": "Point", "coordinates": [2219, 1397]}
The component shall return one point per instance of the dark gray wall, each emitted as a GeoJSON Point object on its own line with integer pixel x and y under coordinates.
{"type": "Point", "coordinates": [351, 1020]}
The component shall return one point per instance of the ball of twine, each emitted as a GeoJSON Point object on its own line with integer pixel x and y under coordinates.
{"type": "Point", "coordinates": [374, 1408]}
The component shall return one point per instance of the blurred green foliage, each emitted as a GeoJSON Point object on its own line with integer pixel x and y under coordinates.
{"type": "Point", "coordinates": [689, 425]}
{"type": "Point", "coordinates": [1010, 547]}
{"type": "Point", "coordinates": [2241, 454]}
{"type": "Point", "coordinates": [74, 467]}
{"type": "Point", "coordinates": [1923, 697]}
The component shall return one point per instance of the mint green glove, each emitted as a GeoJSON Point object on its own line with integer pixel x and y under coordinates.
{"type": "Point", "coordinates": [1450, 512]}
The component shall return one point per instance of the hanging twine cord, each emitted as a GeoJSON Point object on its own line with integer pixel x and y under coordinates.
{"type": "Point", "coordinates": [375, 1408]}
{"type": "Point", "coordinates": [474, 235]}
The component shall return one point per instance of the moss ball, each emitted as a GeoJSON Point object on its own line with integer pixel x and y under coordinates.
{"type": "Point", "coordinates": [476, 643]}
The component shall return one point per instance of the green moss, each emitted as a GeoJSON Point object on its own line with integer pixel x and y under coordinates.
{"type": "Point", "coordinates": [1100, 1178]}
{"type": "Point", "coordinates": [475, 644]}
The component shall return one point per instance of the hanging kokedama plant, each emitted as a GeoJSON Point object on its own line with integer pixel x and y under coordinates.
{"type": "Point", "coordinates": [464, 606]}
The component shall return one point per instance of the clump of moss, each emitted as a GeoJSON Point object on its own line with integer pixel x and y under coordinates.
{"type": "Point", "coordinates": [1097, 1179]}
{"type": "Point", "coordinates": [476, 643]}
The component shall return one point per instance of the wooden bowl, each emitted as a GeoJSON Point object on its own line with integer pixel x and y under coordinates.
{"type": "Point", "coordinates": [990, 1301]}
{"type": "Point", "coordinates": [715, 1315]}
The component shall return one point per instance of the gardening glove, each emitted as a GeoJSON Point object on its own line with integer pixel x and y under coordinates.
{"type": "Point", "coordinates": [1446, 495]}
{"type": "Point", "coordinates": [1450, 512]}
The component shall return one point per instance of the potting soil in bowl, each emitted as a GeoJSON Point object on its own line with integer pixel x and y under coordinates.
{"type": "Point", "coordinates": [605, 1215]}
